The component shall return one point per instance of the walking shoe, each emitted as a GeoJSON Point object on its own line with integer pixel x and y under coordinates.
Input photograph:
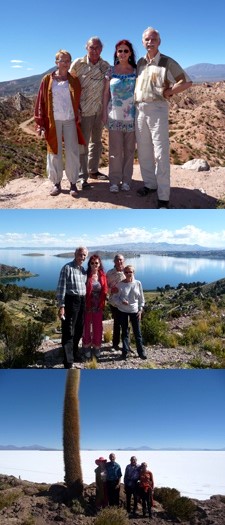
{"type": "Point", "coordinates": [125, 187]}
{"type": "Point", "coordinates": [98, 175]}
{"type": "Point", "coordinates": [142, 192]}
{"type": "Point", "coordinates": [163, 204]}
{"type": "Point", "coordinates": [97, 352]}
{"type": "Point", "coordinates": [73, 190]}
{"type": "Point", "coordinates": [143, 355]}
{"type": "Point", "coordinates": [86, 185]}
{"type": "Point", "coordinates": [55, 190]}
{"type": "Point", "coordinates": [124, 356]}
{"type": "Point", "coordinates": [114, 188]}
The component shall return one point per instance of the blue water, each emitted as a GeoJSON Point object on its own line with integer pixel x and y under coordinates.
{"type": "Point", "coordinates": [151, 270]}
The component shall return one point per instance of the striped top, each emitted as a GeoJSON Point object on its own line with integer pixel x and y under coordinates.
{"type": "Point", "coordinates": [91, 77]}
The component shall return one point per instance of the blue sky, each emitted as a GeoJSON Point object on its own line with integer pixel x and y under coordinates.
{"type": "Point", "coordinates": [71, 228]}
{"type": "Point", "coordinates": [119, 408]}
{"type": "Point", "coordinates": [30, 36]}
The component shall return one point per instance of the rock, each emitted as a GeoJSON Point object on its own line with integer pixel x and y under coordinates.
{"type": "Point", "coordinates": [196, 164]}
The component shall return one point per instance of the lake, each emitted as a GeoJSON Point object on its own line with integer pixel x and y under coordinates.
{"type": "Point", "coordinates": [151, 270]}
{"type": "Point", "coordinates": [196, 474]}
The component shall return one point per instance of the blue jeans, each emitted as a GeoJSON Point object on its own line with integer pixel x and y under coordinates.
{"type": "Point", "coordinates": [135, 323]}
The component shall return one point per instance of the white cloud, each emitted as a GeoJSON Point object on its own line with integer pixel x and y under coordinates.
{"type": "Point", "coordinates": [186, 235]}
{"type": "Point", "coordinates": [17, 67]}
{"type": "Point", "coordinates": [17, 61]}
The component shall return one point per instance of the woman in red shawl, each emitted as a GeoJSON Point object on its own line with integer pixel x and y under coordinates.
{"type": "Point", "coordinates": [95, 303]}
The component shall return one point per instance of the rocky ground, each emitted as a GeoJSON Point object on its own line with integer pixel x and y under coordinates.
{"type": "Point", "coordinates": [189, 189]}
{"type": "Point", "coordinates": [27, 503]}
{"type": "Point", "coordinates": [50, 355]}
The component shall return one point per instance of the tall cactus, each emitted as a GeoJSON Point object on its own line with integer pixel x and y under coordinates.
{"type": "Point", "coordinates": [71, 435]}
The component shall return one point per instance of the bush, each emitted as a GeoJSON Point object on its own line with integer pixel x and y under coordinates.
{"type": "Point", "coordinates": [112, 516]}
{"type": "Point", "coordinates": [153, 328]}
{"type": "Point", "coordinates": [8, 499]}
{"type": "Point", "coordinates": [176, 506]}
{"type": "Point", "coordinates": [181, 508]}
{"type": "Point", "coordinates": [107, 336]}
{"type": "Point", "coordinates": [48, 315]}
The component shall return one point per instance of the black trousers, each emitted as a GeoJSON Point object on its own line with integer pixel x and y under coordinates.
{"type": "Point", "coordinates": [72, 327]}
{"type": "Point", "coordinates": [116, 325]}
{"type": "Point", "coordinates": [131, 491]}
{"type": "Point", "coordinates": [113, 493]}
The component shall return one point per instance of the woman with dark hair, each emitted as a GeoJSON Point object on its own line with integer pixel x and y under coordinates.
{"type": "Point", "coordinates": [96, 287]}
{"type": "Point", "coordinates": [118, 115]}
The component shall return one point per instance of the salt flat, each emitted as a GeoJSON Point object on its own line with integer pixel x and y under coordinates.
{"type": "Point", "coordinates": [196, 474]}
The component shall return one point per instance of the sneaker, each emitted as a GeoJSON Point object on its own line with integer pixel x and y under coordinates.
{"type": "Point", "coordinates": [73, 190]}
{"type": "Point", "coordinates": [87, 353]}
{"type": "Point", "coordinates": [114, 188]}
{"type": "Point", "coordinates": [125, 187]}
{"type": "Point", "coordinates": [163, 205]}
{"type": "Point", "coordinates": [142, 192]}
{"type": "Point", "coordinates": [99, 176]}
{"type": "Point", "coordinates": [55, 190]}
{"type": "Point", "coordinates": [86, 185]}
{"type": "Point", "coordinates": [97, 352]}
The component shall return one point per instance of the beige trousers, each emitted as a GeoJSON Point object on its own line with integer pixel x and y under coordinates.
{"type": "Point", "coordinates": [152, 135]}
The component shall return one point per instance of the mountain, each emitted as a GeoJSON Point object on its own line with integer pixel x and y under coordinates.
{"type": "Point", "coordinates": [30, 447]}
{"type": "Point", "coordinates": [206, 72]}
{"type": "Point", "coordinates": [143, 247]}
{"type": "Point", "coordinates": [29, 85]}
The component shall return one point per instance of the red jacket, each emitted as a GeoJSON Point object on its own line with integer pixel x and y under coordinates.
{"type": "Point", "coordinates": [44, 116]}
{"type": "Point", "coordinates": [104, 288]}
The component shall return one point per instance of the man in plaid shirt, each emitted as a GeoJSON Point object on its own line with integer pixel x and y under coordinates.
{"type": "Point", "coordinates": [70, 294]}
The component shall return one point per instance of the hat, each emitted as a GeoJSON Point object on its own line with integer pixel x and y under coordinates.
{"type": "Point", "coordinates": [100, 460]}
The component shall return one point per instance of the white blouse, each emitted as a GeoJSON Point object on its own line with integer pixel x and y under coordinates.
{"type": "Point", "coordinates": [62, 104]}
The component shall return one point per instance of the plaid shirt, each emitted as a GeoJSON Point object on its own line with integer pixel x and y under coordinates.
{"type": "Point", "coordinates": [72, 281]}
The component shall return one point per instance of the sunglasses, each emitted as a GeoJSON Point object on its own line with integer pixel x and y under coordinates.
{"type": "Point", "coordinates": [94, 262]}
{"type": "Point", "coordinates": [128, 272]}
{"type": "Point", "coordinates": [123, 51]}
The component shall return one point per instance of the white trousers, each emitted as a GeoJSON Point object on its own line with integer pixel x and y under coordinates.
{"type": "Point", "coordinates": [152, 135]}
{"type": "Point", "coordinates": [64, 129]}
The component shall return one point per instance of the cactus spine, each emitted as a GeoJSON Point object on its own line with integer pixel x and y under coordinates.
{"type": "Point", "coordinates": [71, 435]}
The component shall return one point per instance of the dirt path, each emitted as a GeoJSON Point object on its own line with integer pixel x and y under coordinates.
{"type": "Point", "coordinates": [189, 189]}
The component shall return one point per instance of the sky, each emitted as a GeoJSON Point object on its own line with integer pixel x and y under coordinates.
{"type": "Point", "coordinates": [118, 408]}
{"type": "Point", "coordinates": [191, 32]}
{"type": "Point", "coordinates": [72, 228]}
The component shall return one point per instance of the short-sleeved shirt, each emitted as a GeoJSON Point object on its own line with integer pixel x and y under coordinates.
{"type": "Point", "coordinates": [154, 75]}
{"type": "Point", "coordinates": [91, 77]}
{"type": "Point", "coordinates": [121, 108]}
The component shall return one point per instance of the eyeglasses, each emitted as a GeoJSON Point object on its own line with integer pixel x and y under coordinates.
{"type": "Point", "coordinates": [123, 51]}
{"type": "Point", "coordinates": [95, 262]}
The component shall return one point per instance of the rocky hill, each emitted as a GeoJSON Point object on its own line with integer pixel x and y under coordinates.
{"type": "Point", "coordinates": [197, 122]}
{"type": "Point", "coordinates": [206, 72]}
{"type": "Point", "coordinates": [26, 503]}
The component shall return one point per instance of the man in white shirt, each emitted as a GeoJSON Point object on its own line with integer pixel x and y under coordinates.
{"type": "Point", "coordinates": [159, 77]}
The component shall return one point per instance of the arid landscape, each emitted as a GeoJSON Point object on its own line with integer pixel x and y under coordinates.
{"type": "Point", "coordinates": [27, 503]}
{"type": "Point", "coordinates": [197, 121]}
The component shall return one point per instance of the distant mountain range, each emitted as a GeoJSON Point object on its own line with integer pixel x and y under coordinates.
{"type": "Point", "coordinates": [30, 447]}
{"type": "Point", "coordinates": [206, 72]}
{"type": "Point", "coordinates": [29, 85]}
{"type": "Point", "coordinates": [142, 447]}
{"type": "Point", "coordinates": [141, 247]}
